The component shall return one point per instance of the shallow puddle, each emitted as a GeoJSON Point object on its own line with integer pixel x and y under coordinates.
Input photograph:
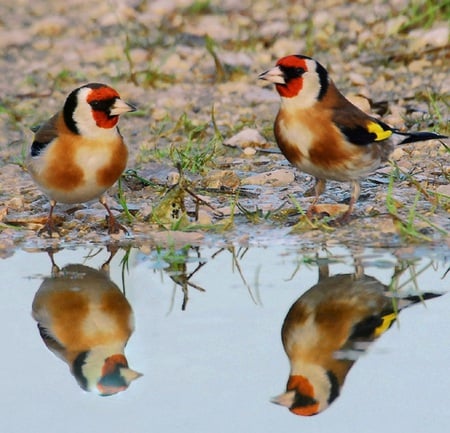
{"type": "Point", "coordinates": [208, 339]}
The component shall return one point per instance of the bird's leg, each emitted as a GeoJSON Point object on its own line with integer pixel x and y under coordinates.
{"type": "Point", "coordinates": [55, 267]}
{"type": "Point", "coordinates": [319, 188]}
{"type": "Point", "coordinates": [49, 225]}
{"type": "Point", "coordinates": [345, 218]}
{"type": "Point", "coordinates": [113, 225]}
{"type": "Point", "coordinates": [112, 249]}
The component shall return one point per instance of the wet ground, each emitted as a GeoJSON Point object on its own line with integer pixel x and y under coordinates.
{"type": "Point", "coordinates": [191, 68]}
{"type": "Point", "coordinates": [214, 260]}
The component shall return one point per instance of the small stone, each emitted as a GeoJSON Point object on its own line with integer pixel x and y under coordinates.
{"type": "Point", "coordinates": [418, 66]}
{"type": "Point", "coordinates": [50, 26]}
{"type": "Point", "coordinates": [204, 217]}
{"type": "Point", "coordinates": [249, 151]}
{"type": "Point", "coordinates": [15, 203]}
{"type": "Point", "coordinates": [14, 38]}
{"type": "Point", "coordinates": [394, 24]}
{"type": "Point", "coordinates": [221, 179]}
{"type": "Point", "coordinates": [437, 37]}
{"type": "Point", "coordinates": [397, 154]}
{"type": "Point", "coordinates": [357, 79]}
{"type": "Point", "coordinates": [281, 177]}
{"type": "Point", "coordinates": [247, 138]}
{"type": "Point", "coordinates": [444, 189]}
{"type": "Point", "coordinates": [3, 212]}
{"type": "Point", "coordinates": [173, 178]}
{"type": "Point", "coordinates": [139, 55]}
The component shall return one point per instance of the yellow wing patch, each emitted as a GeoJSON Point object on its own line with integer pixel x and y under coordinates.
{"type": "Point", "coordinates": [377, 129]}
{"type": "Point", "coordinates": [388, 320]}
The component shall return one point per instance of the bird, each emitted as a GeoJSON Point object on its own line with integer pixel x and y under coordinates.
{"type": "Point", "coordinates": [328, 328]}
{"type": "Point", "coordinates": [323, 134]}
{"type": "Point", "coordinates": [85, 319]}
{"type": "Point", "coordinates": [79, 152]}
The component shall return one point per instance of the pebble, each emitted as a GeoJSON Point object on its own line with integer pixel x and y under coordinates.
{"type": "Point", "coordinates": [281, 177]}
{"type": "Point", "coordinates": [444, 189]}
{"type": "Point", "coordinates": [53, 25]}
{"type": "Point", "coordinates": [247, 138]}
{"type": "Point", "coordinates": [218, 179]}
{"type": "Point", "coordinates": [15, 203]}
{"type": "Point", "coordinates": [435, 37]}
{"type": "Point", "coordinates": [11, 38]}
{"type": "Point", "coordinates": [204, 217]}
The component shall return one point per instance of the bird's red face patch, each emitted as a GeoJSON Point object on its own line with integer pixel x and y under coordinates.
{"type": "Point", "coordinates": [113, 362]}
{"type": "Point", "coordinates": [303, 386]}
{"type": "Point", "coordinates": [291, 66]}
{"type": "Point", "coordinates": [102, 94]}
{"type": "Point", "coordinates": [111, 367]}
{"type": "Point", "coordinates": [102, 119]}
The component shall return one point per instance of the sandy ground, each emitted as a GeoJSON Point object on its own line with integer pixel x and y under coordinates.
{"type": "Point", "coordinates": [185, 64]}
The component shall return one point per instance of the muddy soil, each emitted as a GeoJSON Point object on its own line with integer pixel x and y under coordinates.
{"type": "Point", "coordinates": [192, 68]}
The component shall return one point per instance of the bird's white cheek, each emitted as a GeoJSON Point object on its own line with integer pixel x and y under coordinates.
{"type": "Point", "coordinates": [301, 339]}
{"type": "Point", "coordinates": [311, 88]}
{"type": "Point", "coordinates": [87, 126]}
{"type": "Point", "coordinates": [307, 96]}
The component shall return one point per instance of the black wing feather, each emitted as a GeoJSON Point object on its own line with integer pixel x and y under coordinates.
{"type": "Point", "coordinates": [44, 135]}
{"type": "Point", "coordinates": [358, 135]}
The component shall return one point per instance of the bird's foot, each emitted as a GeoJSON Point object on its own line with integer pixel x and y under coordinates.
{"type": "Point", "coordinates": [341, 221]}
{"type": "Point", "coordinates": [114, 226]}
{"type": "Point", "coordinates": [49, 228]}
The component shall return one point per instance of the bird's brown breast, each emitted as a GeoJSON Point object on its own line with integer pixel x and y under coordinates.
{"type": "Point", "coordinates": [108, 174]}
{"type": "Point", "coordinates": [302, 138]}
{"type": "Point", "coordinates": [76, 320]}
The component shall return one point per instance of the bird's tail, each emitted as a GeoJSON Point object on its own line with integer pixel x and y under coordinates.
{"type": "Point", "coordinates": [407, 301]}
{"type": "Point", "coordinates": [412, 137]}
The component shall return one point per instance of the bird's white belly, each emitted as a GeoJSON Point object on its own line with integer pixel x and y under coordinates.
{"type": "Point", "coordinates": [345, 172]}
{"type": "Point", "coordinates": [86, 192]}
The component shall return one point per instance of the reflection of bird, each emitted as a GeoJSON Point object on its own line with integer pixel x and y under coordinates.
{"type": "Point", "coordinates": [322, 133]}
{"type": "Point", "coordinates": [85, 319]}
{"type": "Point", "coordinates": [79, 153]}
{"type": "Point", "coordinates": [327, 328]}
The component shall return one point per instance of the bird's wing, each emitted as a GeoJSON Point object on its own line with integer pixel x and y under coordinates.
{"type": "Point", "coordinates": [360, 128]}
{"type": "Point", "coordinates": [44, 135]}
{"type": "Point", "coordinates": [51, 342]}
{"type": "Point", "coordinates": [373, 326]}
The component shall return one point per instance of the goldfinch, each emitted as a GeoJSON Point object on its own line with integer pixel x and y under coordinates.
{"type": "Point", "coordinates": [323, 134]}
{"type": "Point", "coordinates": [85, 320]}
{"type": "Point", "coordinates": [327, 329]}
{"type": "Point", "coordinates": [79, 153]}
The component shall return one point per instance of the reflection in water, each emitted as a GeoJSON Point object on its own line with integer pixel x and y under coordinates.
{"type": "Point", "coordinates": [175, 262]}
{"type": "Point", "coordinates": [178, 271]}
{"type": "Point", "coordinates": [85, 319]}
{"type": "Point", "coordinates": [326, 330]}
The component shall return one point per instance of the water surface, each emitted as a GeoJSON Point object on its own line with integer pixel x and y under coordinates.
{"type": "Point", "coordinates": [209, 344]}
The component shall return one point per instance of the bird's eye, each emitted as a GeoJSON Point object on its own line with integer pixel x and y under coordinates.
{"type": "Point", "coordinates": [101, 104]}
{"type": "Point", "coordinates": [95, 104]}
{"type": "Point", "coordinates": [299, 71]}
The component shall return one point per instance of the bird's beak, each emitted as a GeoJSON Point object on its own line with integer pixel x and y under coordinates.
{"type": "Point", "coordinates": [286, 399]}
{"type": "Point", "coordinates": [129, 375]}
{"type": "Point", "coordinates": [274, 75]}
{"type": "Point", "coordinates": [121, 107]}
